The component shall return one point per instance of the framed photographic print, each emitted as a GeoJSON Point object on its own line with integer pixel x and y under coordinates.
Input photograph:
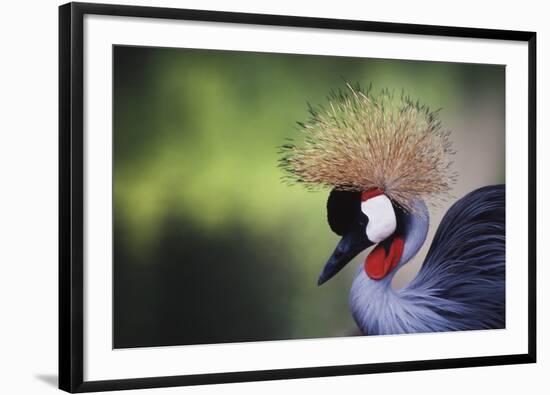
{"type": "Point", "coordinates": [257, 197]}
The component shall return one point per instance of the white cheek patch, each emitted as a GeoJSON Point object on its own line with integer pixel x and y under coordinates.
{"type": "Point", "coordinates": [382, 221]}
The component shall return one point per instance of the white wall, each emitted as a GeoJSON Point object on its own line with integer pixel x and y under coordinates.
{"type": "Point", "coordinates": [28, 197]}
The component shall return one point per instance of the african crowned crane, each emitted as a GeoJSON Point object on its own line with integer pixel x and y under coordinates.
{"type": "Point", "coordinates": [383, 157]}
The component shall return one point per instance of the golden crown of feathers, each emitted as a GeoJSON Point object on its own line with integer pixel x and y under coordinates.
{"type": "Point", "coordinates": [361, 141]}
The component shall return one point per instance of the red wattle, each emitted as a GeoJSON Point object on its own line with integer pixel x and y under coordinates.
{"type": "Point", "coordinates": [378, 265]}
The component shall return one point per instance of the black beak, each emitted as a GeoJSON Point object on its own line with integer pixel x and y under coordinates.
{"type": "Point", "coordinates": [349, 246]}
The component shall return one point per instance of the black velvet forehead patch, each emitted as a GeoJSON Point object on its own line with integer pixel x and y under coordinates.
{"type": "Point", "coordinates": [343, 209]}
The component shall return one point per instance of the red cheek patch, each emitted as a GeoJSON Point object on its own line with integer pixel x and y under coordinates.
{"type": "Point", "coordinates": [370, 194]}
{"type": "Point", "coordinates": [378, 264]}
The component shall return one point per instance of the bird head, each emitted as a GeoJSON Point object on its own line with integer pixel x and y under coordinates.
{"type": "Point", "coordinates": [363, 219]}
{"type": "Point", "coordinates": [380, 154]}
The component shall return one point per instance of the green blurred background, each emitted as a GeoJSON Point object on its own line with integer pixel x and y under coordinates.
{"type": "Point", "coordinates": [209, 245]}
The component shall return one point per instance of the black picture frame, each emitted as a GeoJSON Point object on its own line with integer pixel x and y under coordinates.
{"type": "Point", "coordinates": [71, 197]}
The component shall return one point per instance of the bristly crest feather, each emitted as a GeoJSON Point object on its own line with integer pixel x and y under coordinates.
{"type": "Point", "coordinates": [362, 141]}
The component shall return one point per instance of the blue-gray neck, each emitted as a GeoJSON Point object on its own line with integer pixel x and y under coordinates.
{"type": "Point", "coordinates": [376, 307]}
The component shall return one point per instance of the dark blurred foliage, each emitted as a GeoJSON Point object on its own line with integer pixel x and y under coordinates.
{"type": "Point", "coordinates": [196, 293]}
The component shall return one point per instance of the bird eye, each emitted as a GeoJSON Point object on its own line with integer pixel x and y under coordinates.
{"type": "Point", "coordinates": [381, 218]}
